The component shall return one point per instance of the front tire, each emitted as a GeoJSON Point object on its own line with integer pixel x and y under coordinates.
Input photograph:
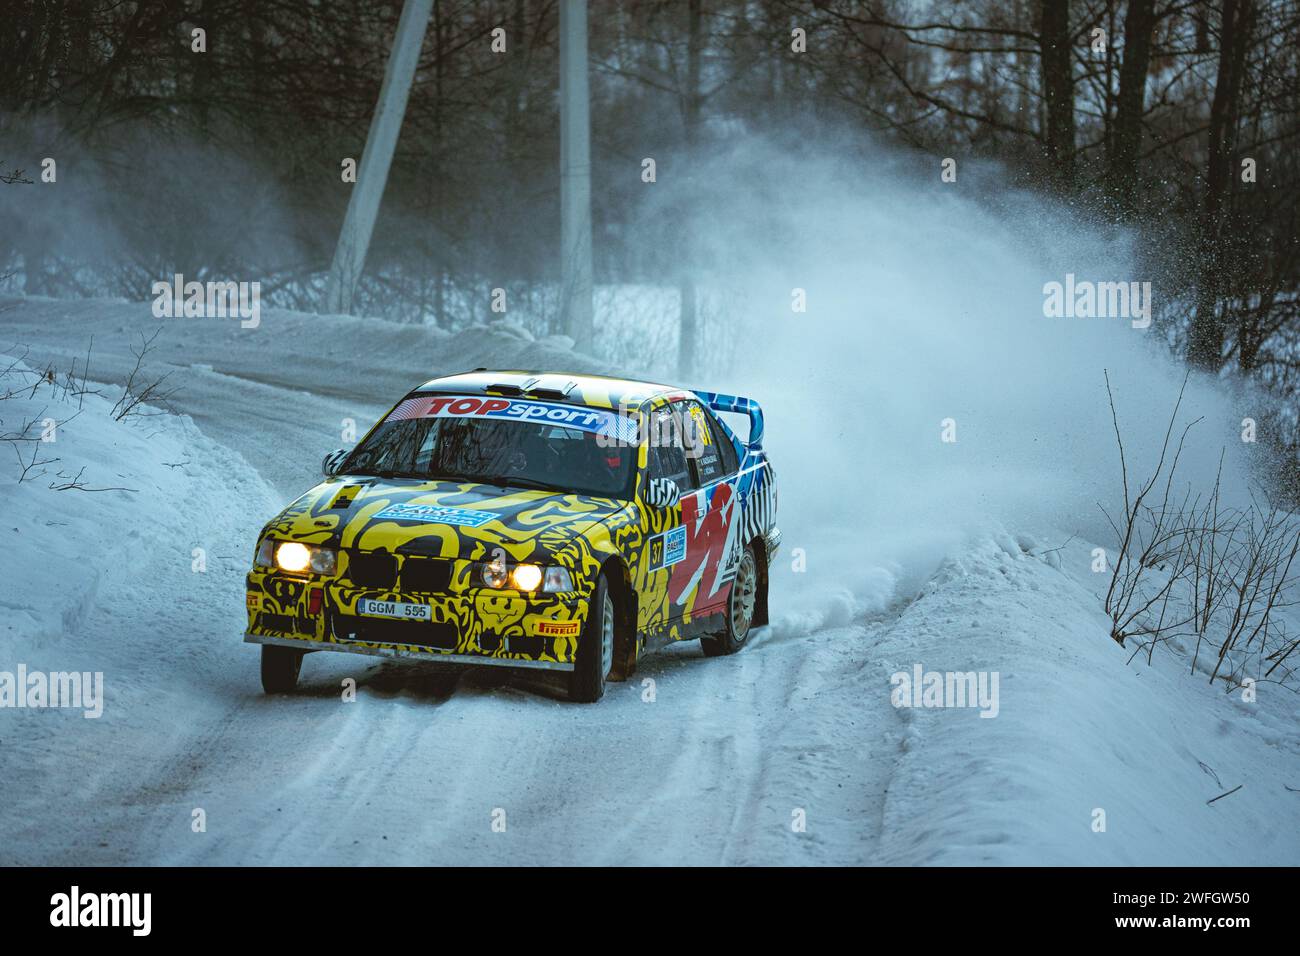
{"type": "Point", "coordinates": [595, 657]}
{"type": "Point", "coordinates": [280, 668]}
{"type": "Point", "coordinates": [739, 618]}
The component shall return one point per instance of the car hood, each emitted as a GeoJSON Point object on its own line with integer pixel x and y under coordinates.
{"type": "Point", "coordinates": [448, 519]}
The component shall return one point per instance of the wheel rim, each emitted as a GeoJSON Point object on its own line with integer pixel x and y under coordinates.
{"type": "Point", "coordinates": [606, 637]}
{"type": "Point", "coordinates": [743, 593]}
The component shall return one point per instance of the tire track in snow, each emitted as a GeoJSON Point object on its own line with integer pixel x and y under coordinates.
{"type": "Point", "coordinates": [707, 774]}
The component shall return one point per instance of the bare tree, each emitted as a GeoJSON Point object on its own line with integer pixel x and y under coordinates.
{"type": "Point", "coordinates": [1206, 339]}
{"type": "Point", "coordinates": [140, 391]}
{"type": "Point", "coordinates": [1150, 537]}
{"type": "Point", "coordinates": [1126, 137]}
{"type": "Point", "coordinates": [1057, 66]}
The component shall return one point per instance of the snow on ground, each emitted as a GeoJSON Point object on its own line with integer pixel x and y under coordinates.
{"type": "Point", "coordinates": [695, 761]}
{"type": "Point", "coordinates": [1078, 729]}
{"type": "Point", "coordinates": [110, 578]}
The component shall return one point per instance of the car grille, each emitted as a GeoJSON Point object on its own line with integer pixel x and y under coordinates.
{"type": "Point", "coordinates": [425, 575]}
{"type": "Point", "coordinates": [372, 569]}
{"type": "Point", "coordinates": [380, 570]}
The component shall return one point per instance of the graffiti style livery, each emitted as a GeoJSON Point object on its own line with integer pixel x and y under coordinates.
{"type": "Point", "coordinates": [540, 520]}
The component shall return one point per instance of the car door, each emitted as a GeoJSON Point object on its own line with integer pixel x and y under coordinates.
{"type": "Point", "coordinates": [701, 581]}
{"type": "Point", "coordinates": [665, 541]}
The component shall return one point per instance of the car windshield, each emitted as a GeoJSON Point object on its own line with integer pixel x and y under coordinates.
{"type": "Point", "coordinates": [516, 451]}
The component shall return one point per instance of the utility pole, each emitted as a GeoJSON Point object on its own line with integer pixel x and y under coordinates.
{"type": "Point", "coordinates": [575, 174]}
{"type": "Point", "coordinates": [688, 324]}
{"type": "Point", "coordinates": [385, 125]}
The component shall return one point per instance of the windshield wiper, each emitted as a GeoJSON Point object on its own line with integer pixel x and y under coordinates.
{"type": "Point", "coordinates": [452, 476]}
{"type": "Point", "coordinates": [519, 481]}
{"type": "Point", "coordinates": [379, 473]}
{"type": "Point", "coordinates": [500, 481]}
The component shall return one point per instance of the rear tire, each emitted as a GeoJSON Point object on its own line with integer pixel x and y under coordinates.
{"type": "Point", "coordinates": [595, 657]}
{"type": "Point", "coordinates": [739, 617]}
{"type": "Point", "coordinates": [280, 668]}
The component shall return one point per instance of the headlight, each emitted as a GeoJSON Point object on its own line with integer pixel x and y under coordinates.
{"type": "Point", "coordinates": [493, 573]}
{"type": "Point", "coordinates": [526, 577]}
{"type": "Point", "coordinates": [324, 560]}
{"type": "Point", "coordinates": [557, 579]}
{"type": "Point", "coordinates": [297, 558]}
{"type": "Point", "coordinates": [522, 577]}
{"type": "Point", "coordinates": [292, 556]}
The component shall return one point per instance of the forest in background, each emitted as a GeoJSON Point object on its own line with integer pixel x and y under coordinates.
{"type": "Point", "coordinates": [1176, 120]}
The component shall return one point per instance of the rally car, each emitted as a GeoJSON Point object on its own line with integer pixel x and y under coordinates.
{"type": "Point", "coordinates": [571, 523]}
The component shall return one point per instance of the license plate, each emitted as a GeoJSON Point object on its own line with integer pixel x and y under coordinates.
{"type": "Point", "coordinates": [401, 610]}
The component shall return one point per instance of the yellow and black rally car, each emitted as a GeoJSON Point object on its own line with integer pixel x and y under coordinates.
{"type": "Point", "coordinates": [525, 519]}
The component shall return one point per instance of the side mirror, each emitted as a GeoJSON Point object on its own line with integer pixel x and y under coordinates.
{"type": "Point", "coordinates": [662, 493]}
{"type": "Point", "coordinates": [329, 466]}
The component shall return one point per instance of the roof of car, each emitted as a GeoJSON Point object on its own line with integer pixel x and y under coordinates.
{"type": "Point", "coordinates": [598, 391]}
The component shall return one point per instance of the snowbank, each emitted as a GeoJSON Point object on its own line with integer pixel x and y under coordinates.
{"type": "Point", "coordinates": [104, 500]}
{"type": "Point", "coordinates": [1090, 759]}
{"type": "Point", "coordinates": [119, 576]}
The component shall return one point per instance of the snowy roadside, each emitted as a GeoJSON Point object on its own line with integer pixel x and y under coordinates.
{"type": "Point", "coordinates": [117, 577]}
{"type": "Point", "coordinates": [1089, 759]}
{"type": "Point", "coordinates": [95, 500]}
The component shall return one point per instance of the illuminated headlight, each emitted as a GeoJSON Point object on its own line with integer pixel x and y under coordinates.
{"type": "Point", "coordinates": [292, 556]}
{"type": "Point", "coordinates": [297, 558]}
{"type": "Point", "coordinates": [523, 577]}
{"type": "Point", "coordinates": [526, 577]}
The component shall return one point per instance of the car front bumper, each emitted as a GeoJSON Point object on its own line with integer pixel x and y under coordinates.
{"type": "Point", "coordinates": [407, 651]}
{"type": "Point", "coordinates": [474, 626]}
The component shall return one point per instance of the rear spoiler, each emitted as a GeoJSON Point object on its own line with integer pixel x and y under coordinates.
{"type": "Point", "coordinates": [740, 405]}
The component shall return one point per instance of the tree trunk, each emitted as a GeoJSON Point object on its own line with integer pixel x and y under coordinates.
{"type": "Point", "coordinates": [1127, 134]}
{"type": "Point", "coordinates": [1058, 89]}
{"type": "Point", "coordinates": [1206, 337]}
{"type": "Point", "coordinates": [688, 326]}
{"type": "Point", "coordinates": [576, 287]}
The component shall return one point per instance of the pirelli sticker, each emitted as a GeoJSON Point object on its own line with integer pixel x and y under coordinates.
{"type": "Point", "coordinates": [557, 628]}
{"type": "Point", "coordinates": [253, 600]}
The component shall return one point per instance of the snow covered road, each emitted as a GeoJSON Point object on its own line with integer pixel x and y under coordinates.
{"type": "Point", "coordinates": [696, 760]}
{"type": "Point", "coordinates": [418, 769]}
{"type": "Point", "coordinates": [789, 752]}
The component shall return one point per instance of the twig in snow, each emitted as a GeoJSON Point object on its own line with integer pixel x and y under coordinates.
{"type": "Point", "coordinates": [13, 176]}
{"type": "Point", "coordinates": [74, 483]}
{"type": "Point", "coordinates": [1061, 548]}
{"type": "Point", "coordinates": [1210, 770]}
{"type": "Point", "coordinates": [138, 393]}
{"type": "Point", "coordinates": [1228, 794]}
